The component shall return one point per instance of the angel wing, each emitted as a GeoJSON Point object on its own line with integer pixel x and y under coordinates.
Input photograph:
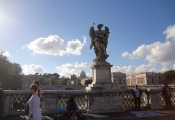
{"type": "Point", "coordinates": [92, 35]}
{"type": "Point", "coordinates": [106, 35]}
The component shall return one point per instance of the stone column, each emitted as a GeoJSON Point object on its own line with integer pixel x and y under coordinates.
{"type": "Point", "coordinates": [155, 98]}
{"type": "Point", "coordinates": [76, 82]}
{"type": "Point", "coordinates": [49, 102]}
{"type": "Point", "coordinates": [68, 83]}
{"type": "Point", "coordinates": [8, 104]}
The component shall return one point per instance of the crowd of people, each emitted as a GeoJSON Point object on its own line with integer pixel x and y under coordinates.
{"type": "Point", "coordinates": [33, 104]}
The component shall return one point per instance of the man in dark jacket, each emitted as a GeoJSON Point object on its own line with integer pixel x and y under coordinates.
{"type": "Point", "coordinates": [167, 96]}
{"type": "Point", "coordinates": [137, 97]}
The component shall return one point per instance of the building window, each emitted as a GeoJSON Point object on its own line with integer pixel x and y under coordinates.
{"type": "Point", "coordinates": [119, 81]}
{"type": "Point", "coordinates": [152, 81]}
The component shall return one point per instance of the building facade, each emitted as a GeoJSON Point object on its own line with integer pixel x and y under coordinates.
{"type": "Point", "coordinates": [28, 79]}
{"type": "Point", "coordinates": [118, 78]}
{"type": "Point", "coordinates": [145, 78]}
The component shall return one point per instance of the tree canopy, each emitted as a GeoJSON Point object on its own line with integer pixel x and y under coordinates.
{"type": "Point", "coordinates": [170, 75]}
{"type": "Point", "coordinates": [10, 73]}
{"type": "Point", "coordinates": [42, 80]}
{"type": "Point", "coordinates": [63, 80]}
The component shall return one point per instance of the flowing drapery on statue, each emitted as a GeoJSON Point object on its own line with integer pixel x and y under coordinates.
{"type": "Point", "coordinates": [99, 40]}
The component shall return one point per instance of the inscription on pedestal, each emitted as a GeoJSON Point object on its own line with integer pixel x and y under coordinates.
{"type": "Point", "coordinates": [50, 103]}
{"type": "Point", "coordinates": [155, 101]}
{"type": "Point", "coordinates": [107, 102]}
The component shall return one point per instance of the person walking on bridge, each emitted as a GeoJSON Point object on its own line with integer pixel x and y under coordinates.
{"type": "Point", "coordinates": [34, 104]}
{"type": "Point", "coordinates": [137, 97]}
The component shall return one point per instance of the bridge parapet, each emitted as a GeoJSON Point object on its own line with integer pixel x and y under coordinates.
{"type": "Point", "coordinates": [122, 99]}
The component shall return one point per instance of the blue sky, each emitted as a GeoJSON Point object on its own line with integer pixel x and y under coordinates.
{"type": "Point", "coordinates": [53, 36]}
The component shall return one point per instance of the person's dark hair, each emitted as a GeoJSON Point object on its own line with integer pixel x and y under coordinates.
{"type": "Point", "coordinates": [2, 101]}
{"type": "Point", "coordinates": [36, 82]}
{"type": "Point", "coordinates": [71, 101]}
{"type": "Point", "coordinates": [35, 87]}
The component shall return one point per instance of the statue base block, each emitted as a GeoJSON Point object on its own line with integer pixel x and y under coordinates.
{"type": "Point", "coordinates": [105, 101]}
{"type": "Point", "coordinates": [102, 73]}
{"type": "Point", "coordinates": [104, 97]}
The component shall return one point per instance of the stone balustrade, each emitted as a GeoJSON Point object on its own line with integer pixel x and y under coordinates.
{"type": "Point", "coordinates": [98, 100]}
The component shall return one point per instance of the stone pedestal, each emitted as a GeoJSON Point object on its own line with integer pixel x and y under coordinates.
{"type": "Point", "coordinates": [155, 99]}
{"type": "Point", "coordinates": [101, 77]}
{"type": "Point", "coordinates": [49, 104]}
{"type": "Point", "coordinates": [105, 103]}
{"type": "Point", "coordinates": [101, 103]}
{"type": "Point", "coordinates": [76, 82]}
{"type": "Point", "coordinates": [102, 74]}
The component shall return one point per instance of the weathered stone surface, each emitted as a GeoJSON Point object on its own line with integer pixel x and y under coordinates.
{"type": "Point", "coordinates": [103, 104]}
{"type": "Point", "coordinates": [49, 103]}
{"type": "Point", "coordinates": [155, 99]}
{"type": "Point", "coordinates": [101, 74]}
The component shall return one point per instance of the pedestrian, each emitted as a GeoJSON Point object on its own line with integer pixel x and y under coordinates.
{"type": "Point", "coordinates": [34, 104]}
{"type": "Point", "coordinates": [137, 97]}
{"type": "Point", "coordinates": [37, 83]}
{"type": "Point", "coordinates": [2, 102]}
{"type": "Point", "coordinates": [71, 105]}
{"type": "Point", "coordinates": [166, 91]}
{"type": "Point", "coordinates": [30, 95]}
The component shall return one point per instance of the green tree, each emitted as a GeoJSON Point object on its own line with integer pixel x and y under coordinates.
{"type": "Point", "coordinates": [10, 74]}
{"type": "Point", "coordinates": [50, 79]}
{"type": "Point", "coordinates": [170, 75]}
{"type": "Point", "coordinates": [63, 80]}
{"type": "Point", "coordinates": [42, 80]}
{"type": "Point", "coordinates": [56, 75]}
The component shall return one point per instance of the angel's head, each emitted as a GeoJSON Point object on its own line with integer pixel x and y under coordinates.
{"type": "Point", "coordinates": [100, 26]}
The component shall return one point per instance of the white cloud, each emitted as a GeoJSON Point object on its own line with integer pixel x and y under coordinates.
{"type": "Point", "coordinates": [135, 69]}
{"type": "Point", "coordinates": [7, 54]}
{"type": "Point", "coordinates": [89, 74]}
{"type": "Point", "coordinates": [54, 45]}
{"type": "Point", "coordinates": [74, 47]}
{"type": "Point", "coordinates": [70, 69]}
{"type": "Point", "coordinates": [157, 52]}
{"type": "Point", "coordinates": [174, 66]}
{"type": "Point", "coordinates": [32, 68]}
{"type": "Point", "coordinates": [170, 32]}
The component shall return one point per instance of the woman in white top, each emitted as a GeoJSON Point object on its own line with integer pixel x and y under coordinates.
{"type": "Point", "coordinates": [34, 104]}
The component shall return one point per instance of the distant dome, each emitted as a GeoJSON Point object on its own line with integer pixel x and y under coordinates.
{"type": "Point", "coordinates": [83, 74]}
